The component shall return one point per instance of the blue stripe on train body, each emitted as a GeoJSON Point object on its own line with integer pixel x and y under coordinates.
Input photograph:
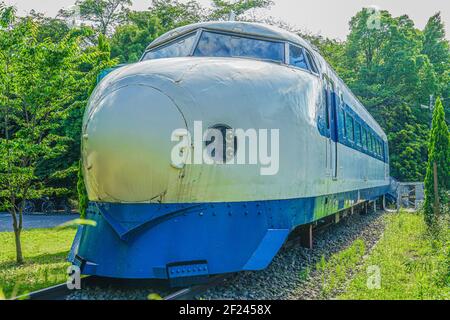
{"type": "Point", "coordinates": [141, 240]}
{"type": "Point", "coordinates": [216, 219]}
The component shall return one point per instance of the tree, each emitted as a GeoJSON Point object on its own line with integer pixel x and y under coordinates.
{"type": "Point", "coordinates": [437, 48]}
{"type": "Point", "coordinates": [55, 29]}
{"type": "Point", "coordinates": [42, 84]}
{"type": "Point", "coordinates": [83, 200]}
{"type": "Point", "coordinates": [27, 137]}
{"type": "Point", "coordinates": [407, 142]}
{"type": "Point", "coordinates": [222, 8]}
{"type": "Point", "coordinates": [388, 66]}
{"type": "Point", "coordinates": [130, 40]}
{"type": "Point", "coordinates": [388, 70]}
{"type": "Point", "coordinates": [104, 15]}
{"type": "Point", "coordinates": [332, 50]}
{"type": "Point", "coordinates": [7, 15]}
{"type": "Point", "coordinates": [439, 157]}
{"type": "Point", "coordinates": [173, 14]}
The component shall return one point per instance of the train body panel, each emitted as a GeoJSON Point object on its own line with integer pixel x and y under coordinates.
{"type": "Point", "coordinates": [290, 103]}
{"type": "Point", "coordinates": [154, 217]}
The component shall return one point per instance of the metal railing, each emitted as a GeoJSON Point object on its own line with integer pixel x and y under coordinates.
{"type": "Point", "coordinates": [408, 195]}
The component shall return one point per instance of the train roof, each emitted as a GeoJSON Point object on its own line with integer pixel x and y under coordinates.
{"type": "Point", "coordinates": [247, 28]}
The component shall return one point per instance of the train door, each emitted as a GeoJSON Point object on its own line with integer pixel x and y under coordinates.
{"type": "Point", "coordinates": [331, 124]}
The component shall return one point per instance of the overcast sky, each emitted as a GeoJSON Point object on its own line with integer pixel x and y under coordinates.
{"type": "Point", "coordinates": [327, 17]}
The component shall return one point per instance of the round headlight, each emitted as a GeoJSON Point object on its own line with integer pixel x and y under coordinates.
{"type": "Point", "coordinates": [224, 149]}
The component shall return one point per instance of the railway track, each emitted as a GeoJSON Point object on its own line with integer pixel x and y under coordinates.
{"type": "Point", "coordinates": [57, 292]}
{"type": "Point", "coordinates": [191, 292]}
{"type": "Point", "coordinates": [61, 291]}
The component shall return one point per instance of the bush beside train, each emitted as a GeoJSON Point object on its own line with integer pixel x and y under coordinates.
{"type": "Point", "coordinates": [157, 220]}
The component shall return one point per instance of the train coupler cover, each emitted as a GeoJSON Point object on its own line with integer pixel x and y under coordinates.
{"type": "Point", "coordinates": [186, 273]}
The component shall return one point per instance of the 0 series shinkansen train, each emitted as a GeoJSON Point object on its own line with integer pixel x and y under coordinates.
{"type": "Point", "coordinates": [158, 218]}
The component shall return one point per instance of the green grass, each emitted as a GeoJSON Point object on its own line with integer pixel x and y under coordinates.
{"type": "Point", "coordinates": [334, 272]}
{"type": "Point", "coordinates": [413, 262]}
{"type": "Point", "coordinates": [45, 252]}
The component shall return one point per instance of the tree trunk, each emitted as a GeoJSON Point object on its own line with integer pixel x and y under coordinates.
{"type": "Point", "coordinates": [17, 227]}
{"type": "Point", "coordinates": [19, 256]}
{"type": "Point", "coordinates": [436, 190]}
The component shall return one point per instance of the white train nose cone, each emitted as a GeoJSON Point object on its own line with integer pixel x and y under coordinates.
{"type": "Point", "coordinates": [127, 145]}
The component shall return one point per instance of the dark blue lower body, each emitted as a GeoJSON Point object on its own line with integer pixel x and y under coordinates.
{"type": "Point", "coordinates": [180, 240]}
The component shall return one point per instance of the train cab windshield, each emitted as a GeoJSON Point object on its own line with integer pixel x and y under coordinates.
{"type": "Point", "coordinates": [180, 47]}
{"type": "Point", "coordinates": [213, 44]}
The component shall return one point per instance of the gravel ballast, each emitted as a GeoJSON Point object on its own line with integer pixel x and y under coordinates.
{"type": "Point", "coordinates": [282, 280]}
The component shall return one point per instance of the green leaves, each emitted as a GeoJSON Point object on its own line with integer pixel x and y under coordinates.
{"type": "Point", "coordinates": [439, 153]}
{"type": "Point", "coordinates": [104, 14]}
{"type": "Point", "coordinates": [7, 15]}
{"type": "Point", "coordinates": [223, 8]}
{"type": "Point", "coordinates": [82, 193]}
{"type": "Point", "coordinates": [45, 84]}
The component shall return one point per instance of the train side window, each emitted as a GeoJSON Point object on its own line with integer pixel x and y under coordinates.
{"type": "Point", "coordinates": [297, 58]}
{"type": "Point", "coordinates": [372, 139]}
{"type": "Point", "coordinates": [342, 116]}
{"type": "Point", "coordinates": [364, 138]}
{"type": "Point", "coordinates": [369, 142]}
{"type": "Point", "coordinates": [349, 124]}
{"type": "Point", "coordinates": [311, 62]}
{"type": "Point", "coordinates": [345, 124]}
{"type": "Point", "coordinates": [357, 133]}
{"type": "Point", "coordinates": [327, 107]}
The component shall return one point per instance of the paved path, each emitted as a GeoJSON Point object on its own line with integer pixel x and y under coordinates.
{"type": "Point", "coordinates": [35, 221]}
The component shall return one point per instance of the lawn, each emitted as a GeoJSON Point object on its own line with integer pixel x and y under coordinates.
{"type": "Point", "coordinates": [44, 250]}
{"type": "Point", "coordinates": [413, 263]}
